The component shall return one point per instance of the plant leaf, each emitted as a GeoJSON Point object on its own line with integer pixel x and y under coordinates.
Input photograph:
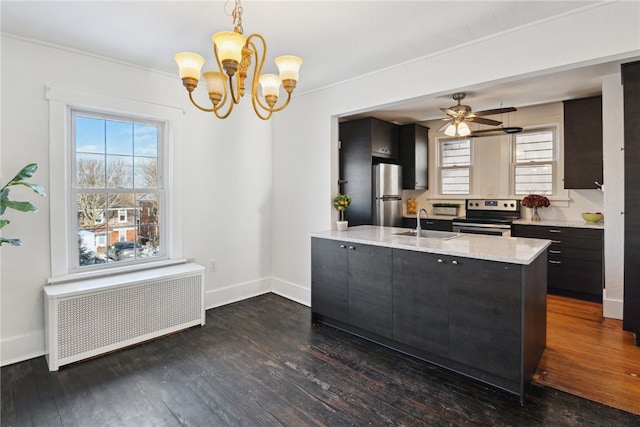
{"type": "Point", "coordinates": [35, 187]}
{"type": "Point", "coordinates": [4, 195]}
{"type": "Point", "coordinates": [4, 222]}
{"type": "Point", "coordinates": [25, 172]}
{"type": "Point", "coordinates": [19, 206]}
{"type": "Point", "coordinates": [14, 242]}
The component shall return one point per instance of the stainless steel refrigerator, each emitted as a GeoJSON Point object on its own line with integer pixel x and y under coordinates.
{"type": "Point", "coordinates": [387, 195]}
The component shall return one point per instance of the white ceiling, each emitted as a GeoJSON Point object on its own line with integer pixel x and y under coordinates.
{"type": "Point", "coordinates": [338, 40]}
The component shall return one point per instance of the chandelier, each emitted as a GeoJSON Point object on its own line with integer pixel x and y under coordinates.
{"type": "Point", "coordinates": [234, 54]}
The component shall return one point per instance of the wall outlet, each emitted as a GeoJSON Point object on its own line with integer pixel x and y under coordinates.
{"type": "Point", "coordinates": [212, 265]}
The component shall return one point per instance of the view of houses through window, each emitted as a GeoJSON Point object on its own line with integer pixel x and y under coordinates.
{"type": "Point", "coordinates": [117, 191]}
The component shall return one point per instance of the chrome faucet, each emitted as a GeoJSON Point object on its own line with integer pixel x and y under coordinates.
{"type": "Point", "coordinates": [418, 227]}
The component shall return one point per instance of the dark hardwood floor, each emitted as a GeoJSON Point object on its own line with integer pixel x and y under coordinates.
{"type": "Point", "coordinates": [260, 362]}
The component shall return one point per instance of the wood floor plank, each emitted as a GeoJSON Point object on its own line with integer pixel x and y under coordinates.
{"type": "Point", "coordinates": [259, 362]}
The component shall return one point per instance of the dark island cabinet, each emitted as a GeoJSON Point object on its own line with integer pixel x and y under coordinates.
{"type": "Point", "coordinates": [352, 284]}
{"type": "Point", "coordinates": [420, 302]}
{"type": "Point", "coordinates": [329, 275]}
{"type": "Point", "coordinates": [583, 143]}
{"type": "Point", "coordinates": [484, 321]}
{"type": "Point", "coordinates": [575, 259]}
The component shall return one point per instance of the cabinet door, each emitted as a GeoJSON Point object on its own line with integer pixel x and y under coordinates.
{"type": "Point", "coordinates": [329, 278]}
{"type": "Point", "coordinates": [369, 278]}
{"type": "Point", "coordinates": [420, 302]}
{"type": "Point", "coordinates": [384, 139]}
{"type": "Point", "coordinates": [413, 144]}
{"type": "Point", "coordinates": [485, 315]}
{"type": "Point", "coordinates": [583, 143]}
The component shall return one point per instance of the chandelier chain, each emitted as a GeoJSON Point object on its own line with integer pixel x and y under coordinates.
{"type": "Point", "coordinates": [237, 17]}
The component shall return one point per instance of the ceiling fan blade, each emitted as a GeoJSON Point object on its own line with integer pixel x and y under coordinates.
{"type": "Point", "coordinates": [495, 111]}
{"type": "Point", "coordinates": [444, 126]}
{"type": "Point", "coordinates": [484, 121]}
{"type": "Point", "coordinates": [497, 131]}
{"type": "Point", "coordinates": [448, 111]}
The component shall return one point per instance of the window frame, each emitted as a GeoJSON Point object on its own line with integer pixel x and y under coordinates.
{"type": "Point", "coordinates": [441, 167]}
{"type": "Point", "coordinates": [61, 102]}
{"type": "Point", "coordinates": [555, 192]}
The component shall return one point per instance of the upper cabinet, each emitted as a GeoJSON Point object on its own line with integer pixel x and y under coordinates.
{"type": "Point", "coordinates": [583, 143]}
{"type": "Point", "coordinates": [384, 139]}
{"type": "Point", "coordinates": [413, 145]}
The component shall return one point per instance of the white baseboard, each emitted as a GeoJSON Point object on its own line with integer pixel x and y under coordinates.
{"type": "Point", "coordinates": [612, 308]}
{"type": "Point", "coordinates": [291, 291]}
{"type": "Point", "coordinates": [23, 347]}
{"type": "Point", "coordinates": [238, 292]}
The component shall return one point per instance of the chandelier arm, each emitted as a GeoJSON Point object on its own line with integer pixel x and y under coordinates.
{"type": "Point", "coordinates": [225, 115]}
{"type": "Point", "coordinates": [234, 97]}
{"type": "Point", "coordinates": [208, 110]}
{"type": "Point", "coordinates": [257, 72]}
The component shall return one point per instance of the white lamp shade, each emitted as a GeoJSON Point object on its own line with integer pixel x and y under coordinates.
{"type": "Point", "coordinates": [215, 81]}
{"type": "Point", "coordinates": [229, 45]}
{"type": "Point", "coordinates": [270, 84]}
{"type": "Point", "coordinates": [463, 129]}
{"type": "Point", "coordinates": [189, 64]}
{"type": "Point", "coordinates": [288, 66]}
{"type": "Point", "coordinates": [450, 130]}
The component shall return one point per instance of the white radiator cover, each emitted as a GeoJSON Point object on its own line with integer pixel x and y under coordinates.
{"type": "Point", "coordinates": [94, 316]}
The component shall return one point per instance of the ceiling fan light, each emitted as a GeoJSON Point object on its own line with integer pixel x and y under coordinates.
{"type": "Point", "coordinates": [189, 64]}
{"type": "Point", "coordinates": [463, 129]}
{"type": "Point", "coordinates": [229, 45]}
{"type": "Point", "coordinates": [450, 130]}
{"type": "Point", "coordinates": [288, 67]}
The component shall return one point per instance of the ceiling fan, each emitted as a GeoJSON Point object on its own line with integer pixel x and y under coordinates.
{"type": "Point", "coordinates": [460, 115]}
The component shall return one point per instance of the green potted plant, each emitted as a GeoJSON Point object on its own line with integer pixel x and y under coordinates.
{"type": "Point", "coordinates": [445, 208]}
{"type": "Point", "coordinates": [20, 179]}
{"type": "Point", "coordinates": [341, 202]}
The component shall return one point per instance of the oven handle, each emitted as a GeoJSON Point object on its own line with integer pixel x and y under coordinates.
{"type": "Point", "coordinates": [490, 231]}
{"type": "Point", "coordinates": [468, 225]}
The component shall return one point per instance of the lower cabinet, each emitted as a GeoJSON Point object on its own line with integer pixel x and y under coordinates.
{"type": "Point", "coordinates": [352, 284]}
{"type": "Point", "coordinates": [484, 319]}
{"type": "Point", "coordinates": [575, 259]}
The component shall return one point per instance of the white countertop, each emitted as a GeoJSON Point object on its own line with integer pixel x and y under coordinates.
{"type": "Point", "coordinates": [514, 250]}
{"type": "Point", "coordinates": [561, 223]}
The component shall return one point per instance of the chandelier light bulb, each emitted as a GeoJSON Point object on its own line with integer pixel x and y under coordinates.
{"type": "Point", "coordinates": [463, 129]}
{"type": "Point", "coordinates": [189, 64]}
{"type": "Point", "coordinates": [288, 67]}
{"type": "Point", "coordinates": [229, 45]}
{"type": "Point", "coordinates": [450, 130]}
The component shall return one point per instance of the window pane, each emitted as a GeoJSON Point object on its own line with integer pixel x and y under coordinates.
{"type": "Point", "coordinates": [146, 172]}
{"type": "Point", "coordinates": [90, 210]}
{"type": "Point", "coordinates": [455, 153]}
{"type": "Point", "coordinates": [119, 172]}
{"type": "Point", "coordinates": [119, 138]}
{"type": "Point", "coordinates": [90, 170]}
{"type": "Point", "coordinates": [145, 140]}
{"type": "Point", "coordinates": [149, 224]}
{"type": "Point", "coordinates": [89, 134]}
{"type": "Point", "coordinates": [534, 179]}
{"type": "Point", "coordinates": [454, 181]}
{"type": "Point", "coordinates": [534, 146]}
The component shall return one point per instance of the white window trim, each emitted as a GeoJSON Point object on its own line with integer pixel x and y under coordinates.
{"type": "Point", "coordinates": [61, 101]}
{"type": "Point", "coordinates": [439, 167]}
{"type": "Point", "coordinates": [559, 192]}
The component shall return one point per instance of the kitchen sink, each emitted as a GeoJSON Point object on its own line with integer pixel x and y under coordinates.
{"type": "Point", "coordinates": [434, 234]}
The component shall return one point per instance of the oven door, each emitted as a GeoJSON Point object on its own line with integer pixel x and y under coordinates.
{"type": "Point", "coordinates": [486, 229]}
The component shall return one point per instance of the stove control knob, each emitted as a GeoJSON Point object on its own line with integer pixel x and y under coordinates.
{"type": "Point", "coordinates": [505, 205]}
{"type": "Point", "coordinates": [512, 205]}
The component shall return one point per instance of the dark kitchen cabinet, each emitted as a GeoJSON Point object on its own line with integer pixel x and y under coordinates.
{"type": "Point", "coordinates": [364, 142]}
{"type": "Point", "coordinates": [420, 302]}
{"type": "Point", "coordinates": [583, 143]}
{"type": "Point", "coordinates": [428, 223]}
{"type": "Point", "coordinates": [575, 259]}
{"type": "Point", "coordinates": [329, 275]}
{"type": "Point", "coordinates": [352, 284]}
{"type": "Point", "coordinates": [413, 155]}
{"type": "Point", "coordinates": [484, 321]}
{"type": "Point", "coordinates": [631, 91]}
{"type": "Point", "coordinates": [369, 282]}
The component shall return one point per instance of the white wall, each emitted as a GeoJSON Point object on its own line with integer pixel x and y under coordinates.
{"type": "Point", "coordinates": [224, 183]}
{"type": "Point", "coordinates": [305, 135]}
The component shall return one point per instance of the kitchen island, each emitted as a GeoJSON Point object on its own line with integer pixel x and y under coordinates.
{"type": "Point", "coordinates": [473, 304]}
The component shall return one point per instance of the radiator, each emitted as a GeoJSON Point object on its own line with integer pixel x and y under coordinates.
{"type": "Point", "coordinates": [91, 317]}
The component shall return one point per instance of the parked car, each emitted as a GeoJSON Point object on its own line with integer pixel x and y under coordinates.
{"type": "Point", "coordinates": [123, 250]}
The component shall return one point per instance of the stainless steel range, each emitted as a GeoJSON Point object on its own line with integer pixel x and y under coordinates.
{"type": "Point", "coordinates": [488, 216]}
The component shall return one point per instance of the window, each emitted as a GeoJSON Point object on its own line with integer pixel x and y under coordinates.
{"type": "Point", "coordinates": [455, 166]}
{"type": "Point", "coordinates": [117, 188]}
{"type": "Point", "coordinates": [534, 161]}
